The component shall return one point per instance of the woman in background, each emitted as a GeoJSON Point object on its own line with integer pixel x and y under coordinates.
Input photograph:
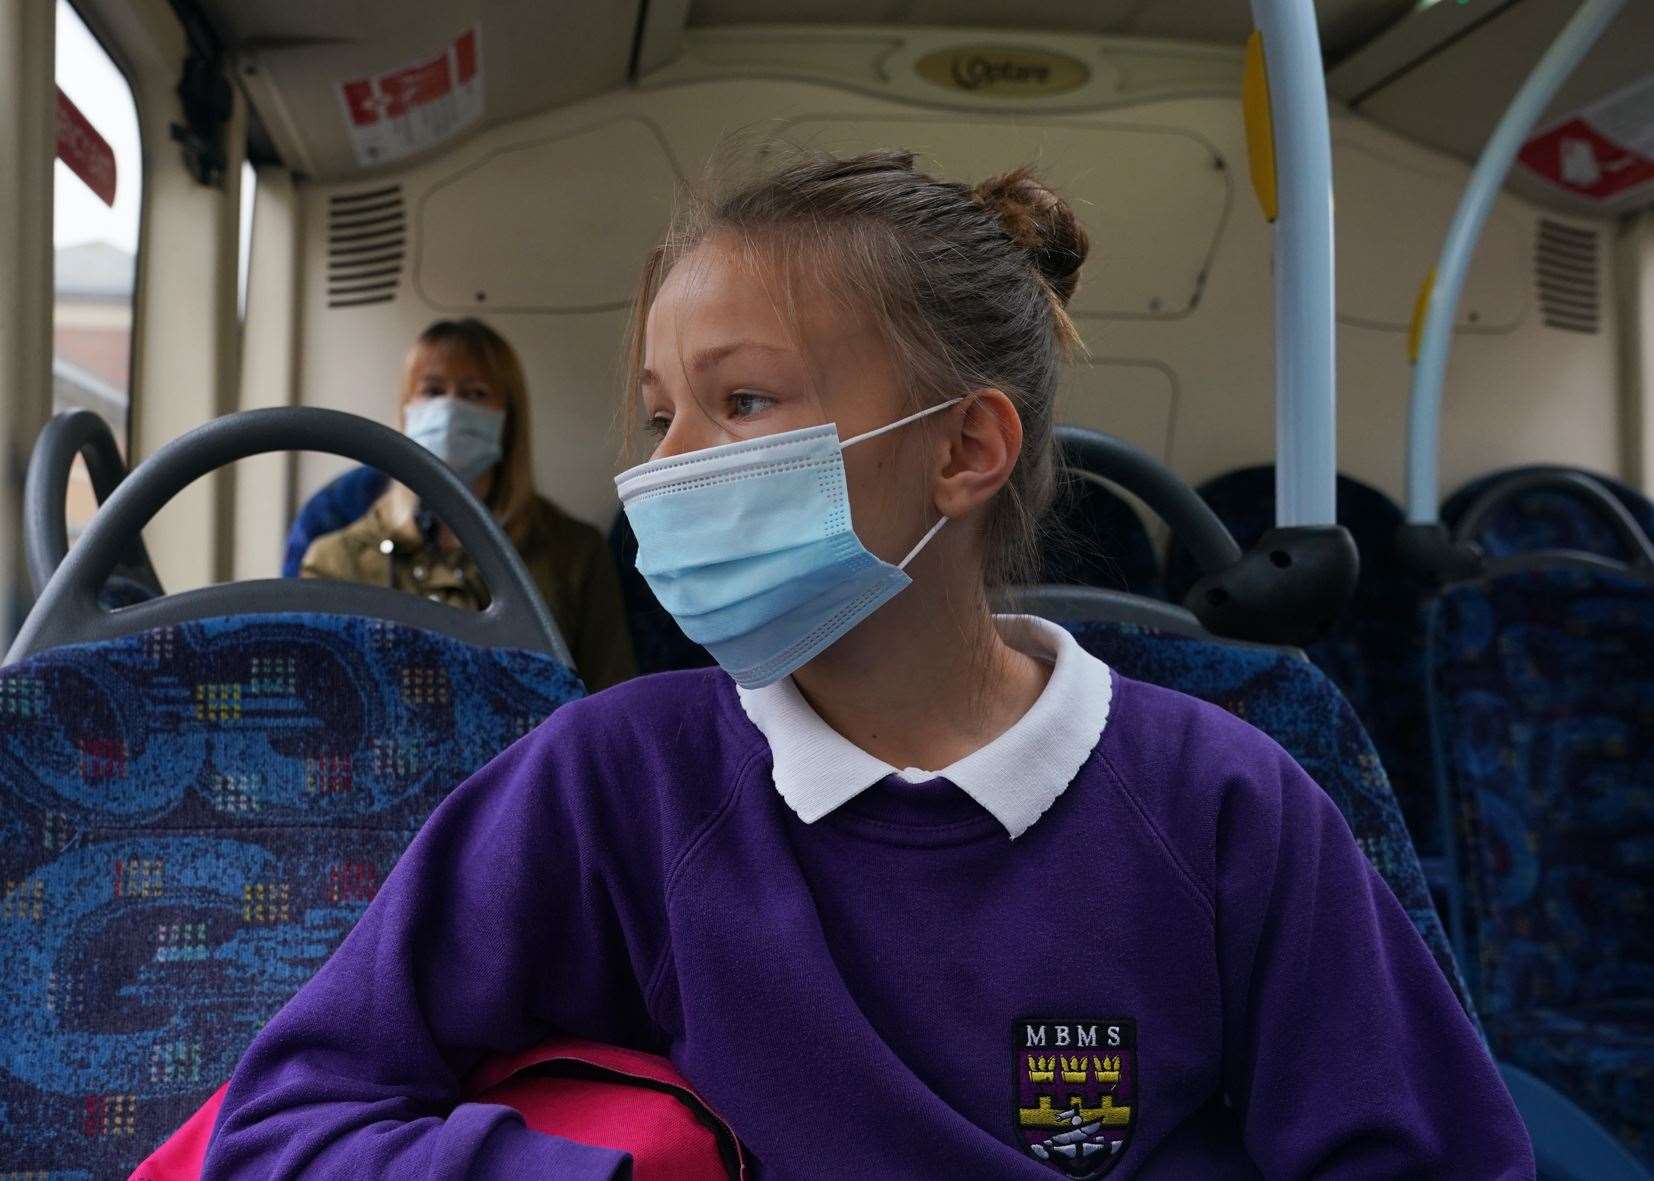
{"type": "Point", "coordinates": [465, 399]}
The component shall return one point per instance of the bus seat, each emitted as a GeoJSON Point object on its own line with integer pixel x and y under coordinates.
{"type": "Point", "coordinates": [1541, 693]}
{"type": "Point", "coordinates": [68, 610]}
{"type": "Point", "coordinates": [199, 794]}
{"type": "Point", "coordinates": [1374, 653]}
{"type": "Point", "coordinates": [1093, 537]}
{"type": "Point", "coordinates": [191, 819]}
{"type": "Point", "coordinates": [1295, 703]}
{"type": "Point", "coordinates": [339, 502]}
{"type": "Point", "coordinates": [1546, 515]}
{"type": "Point", "coordinates": [70, 435]}
{"type": "Point", "coordinates": [657, 641]}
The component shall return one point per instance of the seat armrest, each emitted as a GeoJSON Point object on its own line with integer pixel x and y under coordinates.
{"type": "Point", "coordinates": [1567, 1143]}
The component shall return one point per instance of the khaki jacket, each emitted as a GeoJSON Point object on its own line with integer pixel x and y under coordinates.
{"type": "Point", "coordinates": [567, 559]}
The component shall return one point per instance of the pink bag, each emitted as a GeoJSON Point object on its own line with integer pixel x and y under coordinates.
{"type": "Point", "coordinates": [600, 1095]}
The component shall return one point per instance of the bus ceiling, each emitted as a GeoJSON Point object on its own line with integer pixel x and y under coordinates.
{"type": "Point", "coordinates": [1436, 71]}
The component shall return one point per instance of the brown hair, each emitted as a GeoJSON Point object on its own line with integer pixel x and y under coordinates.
{"type": "Point", "coordinates": [968, 286]}
{"type": "Point", "coordinates": [511, 498]}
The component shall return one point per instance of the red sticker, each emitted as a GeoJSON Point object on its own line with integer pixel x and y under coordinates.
{"type": "Point", "coordinates": [361, 104]}
{"type": "Point", "coordinates": [465, 55]}
{"type": "Point", "coordinates": [87, 153]}
{"type": "Point", "coordinates": [417, 85]}
{"type": "Point", "coordinates": [414, 107]}
{"type": "Point", "coordinates": [1579, 158]}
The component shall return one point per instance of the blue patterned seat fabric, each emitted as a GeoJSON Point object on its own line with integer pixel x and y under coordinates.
{"type": "Point", "coordinates": [1293, 702]}
{"type": "Point", "coordinates": [190, 821]}
{"type": "Point", "coordinates": [1548, 518]}
{"type": "Point", "coordinates": [1375, 651]}
{"type": "Point", "coordinates": [1543, 694]}
{"type": "Point", "coordinates": [1093, 537]}
{"type": "Point", "coordinates": [338, 503]}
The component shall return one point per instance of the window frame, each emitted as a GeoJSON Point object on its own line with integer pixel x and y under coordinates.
{"type": "Point", "coordinates": [123, 67]}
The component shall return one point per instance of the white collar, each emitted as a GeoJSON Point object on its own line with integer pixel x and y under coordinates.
{"type": "Point", "coordinates": [1016, 777]}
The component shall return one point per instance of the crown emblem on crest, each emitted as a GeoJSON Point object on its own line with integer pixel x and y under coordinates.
{"type": "Point", "coordinates": [1044, 1068]}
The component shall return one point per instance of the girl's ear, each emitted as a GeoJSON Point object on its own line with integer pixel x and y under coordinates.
{"type": "Point", "coordinates": [980, 451]}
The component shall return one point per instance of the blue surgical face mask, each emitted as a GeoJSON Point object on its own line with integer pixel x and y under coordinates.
{"type": "Point", "coordinates": [465, 436]}
{"type": "Point", "coordinates": [750, 547]}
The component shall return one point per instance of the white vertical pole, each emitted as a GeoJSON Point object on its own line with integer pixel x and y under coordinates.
{"type": "Point", "coordinates": [1306, 455]}
{"type": "Point", "coordinates": [269, 355]}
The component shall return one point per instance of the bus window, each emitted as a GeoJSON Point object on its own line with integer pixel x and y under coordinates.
{"type": "Point", "coordinates": [97, 182]}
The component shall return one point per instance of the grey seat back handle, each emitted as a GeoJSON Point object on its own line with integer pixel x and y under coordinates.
{"type": "Point", "coordinates": [1579, 484]}
{"type": "Point", "coordinates": [1145, 477]}
{"type": "Point", "coordinates": [68, 612]}
{"type": "Point", "coordinates": [46, 495]}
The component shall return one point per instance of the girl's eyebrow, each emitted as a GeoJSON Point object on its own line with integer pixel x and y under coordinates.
{"type": "Point", "coordinates": [707, 358]}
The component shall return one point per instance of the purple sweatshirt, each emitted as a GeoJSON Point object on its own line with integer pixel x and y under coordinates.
{"type": "Point", "coordinates": [1185, 969]}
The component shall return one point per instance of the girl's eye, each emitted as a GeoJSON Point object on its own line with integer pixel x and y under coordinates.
{"type": "Point", "coordinates": [747, 403]}
{"type": "Point", "coordinates": [658, 425]}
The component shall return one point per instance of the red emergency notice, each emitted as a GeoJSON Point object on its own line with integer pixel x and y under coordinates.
{"type": "Point", "coordinates": [1579, 158]}
{"type": "Point", "coordinates": [87, 153]}
{"type": "Point", "coordinates": [413, 107]}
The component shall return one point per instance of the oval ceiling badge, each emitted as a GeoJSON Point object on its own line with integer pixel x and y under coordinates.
{"type": "Point", "coordinates": [1002, 72]}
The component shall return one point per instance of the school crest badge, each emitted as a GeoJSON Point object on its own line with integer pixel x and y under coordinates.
{"type": "Point", "coordinates": [1076, 1091]}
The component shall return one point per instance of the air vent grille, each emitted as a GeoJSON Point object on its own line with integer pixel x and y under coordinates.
{"type": "Point", "coordinates": [1565, 268]}
{"type": "Point", "coordinates": [367, 235]}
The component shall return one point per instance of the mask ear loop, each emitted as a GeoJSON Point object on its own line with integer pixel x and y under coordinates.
{"type": "Point", "coordinates": [900, 422]}
{"type": "Point", "coordinates": [923, 541]}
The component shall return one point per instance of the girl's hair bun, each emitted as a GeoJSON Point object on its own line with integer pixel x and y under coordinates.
{"type": "Point", "coordinates": [1041, 223]}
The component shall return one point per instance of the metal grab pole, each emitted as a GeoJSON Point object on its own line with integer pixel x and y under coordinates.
{"type": "Point", "coordinates": [1442, 300]}
{"type": "Point", "coordinates": [1306, 457]}
{"type": "Point", "coordinates": [1290, 587]}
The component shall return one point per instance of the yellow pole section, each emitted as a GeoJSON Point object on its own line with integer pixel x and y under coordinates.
{"type": "Point", "coordinates": [1260, 130]}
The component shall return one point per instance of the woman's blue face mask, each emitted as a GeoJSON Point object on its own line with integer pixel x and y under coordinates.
{"type": "Point", "coordinates": [465, 436]}
{"type": "Point", "coordinates": [751, 549]}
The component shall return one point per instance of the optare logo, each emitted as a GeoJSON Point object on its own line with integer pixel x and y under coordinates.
{"type": "Point", "coordinates": [1003, 72]}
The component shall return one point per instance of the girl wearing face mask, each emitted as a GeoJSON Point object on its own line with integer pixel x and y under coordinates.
{"type": "Point", "coordinates": [905, 889]}
{"type": "Point", "coordinates": [464, 398]}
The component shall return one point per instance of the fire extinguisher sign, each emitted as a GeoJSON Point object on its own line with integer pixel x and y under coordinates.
{"type": "Point", "coordinates": [413, 107]}
{"type": "Point", "coordinates": [1603, 152]}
